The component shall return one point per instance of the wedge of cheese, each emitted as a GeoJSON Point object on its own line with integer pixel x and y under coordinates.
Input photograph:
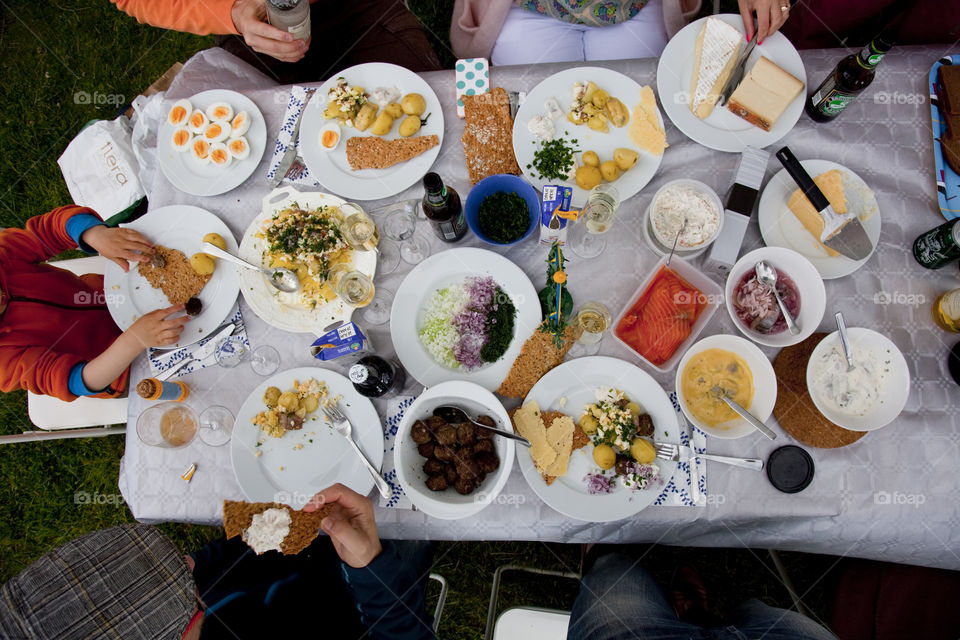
{"type": "Point", "coordinates": [764, 94]}
{"type": "Point", "coordinates": [645, 130]}
{"type": "Point", "coordinates": [715, 56]}
{"type": "Point", "coordinates": [831, 183]}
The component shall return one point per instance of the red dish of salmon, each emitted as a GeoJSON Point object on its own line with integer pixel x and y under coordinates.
{"type": "Point", "coordinates": [662, 318]}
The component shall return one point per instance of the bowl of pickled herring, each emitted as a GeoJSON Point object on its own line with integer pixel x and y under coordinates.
{"type": "Point", "coordinates": [728, 365]}
{"type": "Point", "coordinates": [869, 396]}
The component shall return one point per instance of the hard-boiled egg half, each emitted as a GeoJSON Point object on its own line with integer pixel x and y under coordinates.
{"type": "Point", "coordinates": [330, 136]}
{"type": "Point", "coordinates": [240, 125]}
{"type": "Point", "coordinates": [179, 113]}
{"type": "Point", "coordinates": [239, 148]}
{"type": "Point", "coordinates": [181, 139]}
{"type": "Point", "coordinates": [217, 131]}
{"type": "Point", "coordinates": [200, 149]}
{"type": "Point", "coordinates": [220, 155]}
{"type": "Point", "coordinates": [220, 111]}
{"type": "Point", "coordinates": [198, 121]}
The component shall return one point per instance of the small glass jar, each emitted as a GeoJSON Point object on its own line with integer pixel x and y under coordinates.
{"type": "Point", "coordinates": [292, 16]}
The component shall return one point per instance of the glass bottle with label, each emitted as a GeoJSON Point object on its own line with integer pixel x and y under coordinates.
{"type": "Point", "coordinates": [292, 16]}
{"type": "Point", "coordinates": [441, 205]}
{"type": "Point", "coordinates": [946, 310]}
{"type": "Point", "coordinates": [848, 79]}
{"type": "Point", "coordinates": [372, 376]}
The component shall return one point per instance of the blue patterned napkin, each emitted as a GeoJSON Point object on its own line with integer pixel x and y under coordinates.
{"type": "Point", "coordinates": [163, 359]}
{"type": "Point", "coordinates": [678, 490]}
{"type": "Point", "coordinates": [298, 96]}
{"type": "Point", "coordinates": [395, 408]}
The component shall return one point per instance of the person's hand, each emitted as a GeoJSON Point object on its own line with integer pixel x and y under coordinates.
{"type": "Point", "coordinates": [157, 328]}
{"type": "Point", "coordinates": [350, 525]}
{"type": "Point", "coordinates": [120, 245]}
{"type": "Point", "coordinates": [771, 14]}
{"type": "Point", "coordinates": [250, 19]}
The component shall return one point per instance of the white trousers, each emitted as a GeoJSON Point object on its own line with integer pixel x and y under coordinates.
{"type": "Point", "coordinates": [529, 38]}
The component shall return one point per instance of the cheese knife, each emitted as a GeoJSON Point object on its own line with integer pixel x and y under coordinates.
{"type": "Point", "coordinates": [291, 153]}
{"type": "Point", "coordinates": [737, 75]}
{"type": "Point", "coordinates": [842, 233]}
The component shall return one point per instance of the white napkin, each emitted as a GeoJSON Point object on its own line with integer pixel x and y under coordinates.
{"type": "Point", "coordinates": [298, 96]}
{"type": "Point", "coordinates": [677, 491]}
{"type": "Point", "coordinates": [395, 408]}
{"type": "Point", "coordinates": [163, 359]}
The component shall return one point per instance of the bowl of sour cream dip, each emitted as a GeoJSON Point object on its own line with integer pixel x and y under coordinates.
{"type": "Point", "coordinates": [687, 211]}
{"type": "Point", "coordinates": [870, 396]}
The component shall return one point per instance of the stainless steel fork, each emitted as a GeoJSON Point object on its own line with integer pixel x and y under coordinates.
{"type": "Point", "coordinates": [339, 422]}
{"type": "Point", "coordinates": [669, 451]}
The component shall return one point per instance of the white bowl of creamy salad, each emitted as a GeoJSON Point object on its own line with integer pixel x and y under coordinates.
{"type": "Point", "coordinates": [688, 208]}
{"type": "Point", "coordinates": [867, 398]}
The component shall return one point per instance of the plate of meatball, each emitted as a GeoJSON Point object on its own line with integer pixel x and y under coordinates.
{"type": "Point", "coordinates": [452, 471]}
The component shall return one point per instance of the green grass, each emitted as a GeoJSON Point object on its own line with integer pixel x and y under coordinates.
{"type": "Point", "coordinates": [49, 53]}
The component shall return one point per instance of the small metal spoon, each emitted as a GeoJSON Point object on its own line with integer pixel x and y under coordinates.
{"type": "Point", "coordinates": [282, 279]}
{"type": "Point", "coordinates": [718, 392]}
{"type": "Point", "coordinates": [767, 275]}
{"type": "Point", "coordinates": [842, 329]}
{"type": "Point", "coordinates": [456, 415]}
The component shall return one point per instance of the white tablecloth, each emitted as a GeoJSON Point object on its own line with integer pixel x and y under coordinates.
{"type": "Point", "coordinates": [890, 496]}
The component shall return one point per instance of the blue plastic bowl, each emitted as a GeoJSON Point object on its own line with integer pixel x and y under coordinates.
{"type": "Point", "coordinates": [493, 184]}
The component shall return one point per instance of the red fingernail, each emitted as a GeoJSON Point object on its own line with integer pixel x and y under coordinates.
{"type": "Point", "coordinates": [759, 42]}
{"type": "Point", "coordinates": [748, 38]}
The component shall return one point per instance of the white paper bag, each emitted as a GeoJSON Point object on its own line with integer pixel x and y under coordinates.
{"type": "Point", "coordinates": [100, 169]}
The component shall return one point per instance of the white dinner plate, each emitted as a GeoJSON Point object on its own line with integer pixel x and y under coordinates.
{"type": "Point", "coordinates": [282, 472]}
{"type": "Point", "coordinates": [722, 130]}
{"type": "Point", "coordinates": [331, 168]}
{"type": "Point", "coordinates": [443, 269]}
{"type": "Point", "coordinates": [559, 86]}
{"type": "Point", "coordinates": [780, 228]}
{"type": "Point", "coordinates": [283, 310]}
{"type": "Point", "coordinates": [187, 174]}
{"type": "Point", "coordinates": [577, 380]}
{"type": "Point", "coordinates": [178, 226]}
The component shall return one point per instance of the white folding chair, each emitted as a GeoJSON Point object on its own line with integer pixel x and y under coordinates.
{"type": "Point", "coordinates": [50, 413]}
{"type": "Point", "coordinates": [529, 623]}
{"type": "Point", "coordinates": [441, 599]}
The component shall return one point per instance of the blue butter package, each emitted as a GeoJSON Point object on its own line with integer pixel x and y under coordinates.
{"type": "Point", "coordinates": [347, 338]}
{"type": "Point", "coordinates": [554, 213]}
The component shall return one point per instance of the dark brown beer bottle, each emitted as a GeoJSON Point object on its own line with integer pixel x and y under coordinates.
{"type": "Point", "coordinates": [442, 207]}
{"type": "Point", "coordinates": [848, 79]}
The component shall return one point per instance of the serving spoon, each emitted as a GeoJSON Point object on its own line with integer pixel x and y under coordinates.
{"type": "Point", "coordinates": [719, 392]}
{"type": "Point", "coordinates": [281, 279]}
{"type": "Point", "coordinates": [767, 275]}
{"type": "Point", "coordinates": [456, 415]}
{"type": "Point", "coordinates": [845, 341]}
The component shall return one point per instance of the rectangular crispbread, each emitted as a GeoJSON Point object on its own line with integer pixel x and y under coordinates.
{"type": "Point", "coordinates": [372, 152]}
{"type": "Point", "coordinates": [304, 525]}
{"type": "Point", "coordinates": [488, 135]}
{"type": "Point", "coordinates": [538, 355]}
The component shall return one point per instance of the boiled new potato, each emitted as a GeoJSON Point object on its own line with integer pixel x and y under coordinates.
{"type": "Point", "coordinates": [634, 408]}
{"type": "Point", "coordinates": [589, 423]}
{"type": "Point", "coordinates": [604, 456]}
{"type": "Point", "coordinates": [600, 97]}
{"type": "Point", "coordinates": [577, 120]}
{"type": "Point", "coordinates": [598, 123]}
{"type": "Point", "coordinates": [366, 116]}
{"type": "Point", "coordinates": [591, 89]}
{"type": "Point", "coordinates": [310, 403]}
{"type": "Point", "coordinates": [617, 112]}
{"type": "Point", "coordinates": [382, 125]}
{"type": "Point", "coordinates": [591, 159]}
{"type": "Point", "coordinates": [216, 240]}
{"type": "Point", "coordinates": [625, 158]}
{"type": "Point", "coordinates": [288, 401]}
{"type": "Point", "coordinates": [202, 264]}
{"type": "Point", "coordinates": [409, 126]}
{"type": "Point", "coordinates": [394, 109]}
{"type": "Point", "coordinates": [642, 451]}
{"type": "Point", "coordinates": [588, 177]}
{"type": "Point", "coordinates": [609, 170]}
{"type": "Point", "coordinates": [413, 104]}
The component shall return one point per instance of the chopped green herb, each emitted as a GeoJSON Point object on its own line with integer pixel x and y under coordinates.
{"type": "Point", "coordinates": [504, 217]}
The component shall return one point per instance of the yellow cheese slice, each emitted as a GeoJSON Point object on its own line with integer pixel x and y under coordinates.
{"type": "Point", "coordinates": [560, 437]}
{"type": "Point", "coordinates": [529, 423]}
{"type": "Point", "coordinates": [831, 183]}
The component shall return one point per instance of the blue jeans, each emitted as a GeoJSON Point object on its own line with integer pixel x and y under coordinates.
{"type": "Point", "coordinates": [620, 600]}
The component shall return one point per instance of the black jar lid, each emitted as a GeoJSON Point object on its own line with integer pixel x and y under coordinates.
{"type": "Point", "coordinates": [790, 469]}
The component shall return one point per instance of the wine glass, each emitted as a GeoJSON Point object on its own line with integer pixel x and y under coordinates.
{"type": "Point", "coordinates": [400, 224]}
{"type": "Point", "coordinates": [596, 219]}
{"type": "Point", "coordinates": [593, 318]}
{"type": "Point", "coordinates": [216, 426]}
{"type": "Point", "coordinates": [230, 352]}
{"type": "Point", "coordinates": [378, 311]}
{"type": "Point", "coordinates": [265, 360]}
{"type": "Point", "coordinates": [362, 234]}
{"type": "Point", "coordinates": [351, 286]}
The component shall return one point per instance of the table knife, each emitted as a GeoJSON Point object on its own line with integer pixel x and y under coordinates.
{"type": "Point", "coordinates": [694, 469]}
{"type": "Point", "coordinates": [737, 75]}
{"type": "Point", "coordinates": [202, 353]}
{"type": "Point", "coordinates": [291, 153]}
{"type": "Point", "coordinates": [747, 463]}
{"type": "Point", "coordinates": [842, 233]}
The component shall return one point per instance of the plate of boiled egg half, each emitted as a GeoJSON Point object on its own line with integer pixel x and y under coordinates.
{"type": "Point", "coordinates": [211, 142]}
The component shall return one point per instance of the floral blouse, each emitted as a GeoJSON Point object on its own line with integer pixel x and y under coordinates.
{"type": "Point", "coordinates": [595, 13]}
